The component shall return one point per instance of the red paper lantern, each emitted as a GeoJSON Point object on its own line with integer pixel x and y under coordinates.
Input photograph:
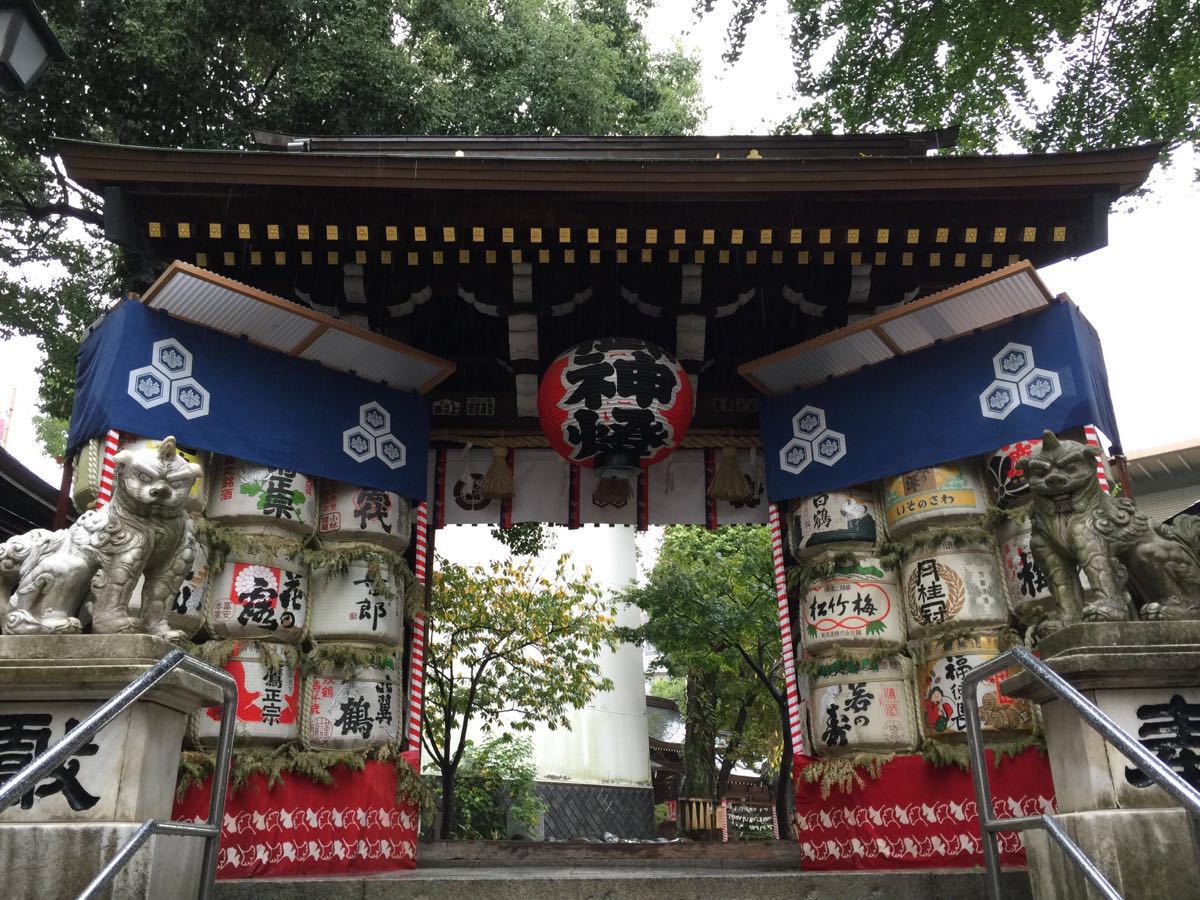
{"type": "Point", "coordinates": [616, 404]}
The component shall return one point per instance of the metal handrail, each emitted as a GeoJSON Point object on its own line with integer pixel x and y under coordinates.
{"type": "Point", "coordinates": [1162, 774]}
{"type": "Point", "coordinates": [25, 780]}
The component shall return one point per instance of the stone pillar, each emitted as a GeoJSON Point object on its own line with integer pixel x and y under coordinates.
{"type": "Point", "coordinates": [59, 835]}
{"type": "Point", "coordinates": [1146, 677]}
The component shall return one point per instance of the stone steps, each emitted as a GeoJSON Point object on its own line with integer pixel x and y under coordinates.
{"type": "Point", "coordinates": [670, 881]}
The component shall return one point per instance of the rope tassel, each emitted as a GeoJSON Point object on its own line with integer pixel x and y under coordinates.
{"type": "Point", "coordinates": [730, 483]}
{"type": "Point", "coordinates": [612, 492]}
{"type": "Point", "coordinates": [497, 484]}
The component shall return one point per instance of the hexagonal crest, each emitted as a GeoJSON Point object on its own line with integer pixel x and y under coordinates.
{"type": "Point", "coordinates": [171, 358]}
{"type": "Point", "coordinates": [148, 386]}
{"type": "Point", "coordinates": [1013, 362]}
{"type": "Point", "coordinates": [392, 452]}
{"type": "Point", "coordinates": [998, 400]}
{"type": "Point", "coordinates": [829, 447]}
{"type": "Point", "coordinates": [1040, 388]}
{"type": "Point", "coordinates": [374, 418]}
{"type": "Point", "coordinates": [358, 443]}
{"type": "Point", "coordinates": [190, 398]}
{"type": "Point", "coordinates": [809, 422]}
{"type": "Point", "coordinates": [795, 455]}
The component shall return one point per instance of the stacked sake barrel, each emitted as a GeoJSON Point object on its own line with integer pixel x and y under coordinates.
{"type": "Point", "coordinates": [954, 597]}
{"type": "Point", "coordinates": [1029, 597]}
{"type": "Point", "coordinates": [861, 695]}
{"type": "Point", "coordinates": [256, 600]}
{"type": "Point", "coordinates": [360, 583]}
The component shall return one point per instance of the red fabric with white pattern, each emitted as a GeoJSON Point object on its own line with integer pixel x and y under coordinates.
{"type": "Point", "coordinates": [352, 826]}
{"type": "Point", "coordinates": [917, 816]}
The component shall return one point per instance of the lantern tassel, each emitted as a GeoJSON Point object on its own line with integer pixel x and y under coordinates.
{"type": "Point", "coordinates": [497, 484]}
{"type": "Point", "coordinates": [612, 492]}
{"type": "Point", "coordinates": [729, 483]}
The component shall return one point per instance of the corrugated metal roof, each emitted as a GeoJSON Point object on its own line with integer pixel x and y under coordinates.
{"type": "Point", "coordinates": [948, 314]}
{"type": "Point", "coordinates": [233, 308]}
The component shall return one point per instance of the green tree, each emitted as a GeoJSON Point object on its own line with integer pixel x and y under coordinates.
{"type": "Point", "coordinates": [506, 640]}
{"type": "Point", "coordinates": [495, 785]}
{"type": "Point", "coordinates": [206, 72]}
{"type": "Point", "coordinates": [711, 610]}
{"type": "Point", "coordinates": [1049, 74]}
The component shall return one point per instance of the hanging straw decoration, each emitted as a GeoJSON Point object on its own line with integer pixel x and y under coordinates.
{"type": "Point", "coordinates": [730, 483]}
{"type": "Point", "coordinates": [497, 484]}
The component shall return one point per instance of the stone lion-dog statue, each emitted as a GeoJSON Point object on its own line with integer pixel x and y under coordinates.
{"type": "Point", "coordinates": [1077, 525]}
{"type": "Point", "coordinates": [47, 576]}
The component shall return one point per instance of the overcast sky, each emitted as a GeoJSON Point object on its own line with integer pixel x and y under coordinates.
{"type": "Point", "coordinates": [1140, 292]}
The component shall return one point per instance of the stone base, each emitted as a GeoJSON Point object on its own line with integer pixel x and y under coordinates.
{"type": "Point", "coordinates": [59, 835]}
{"type": "Point", "coordinates": [1144, 854]}
{"type": "Point", "coordinates": [1131, 670]}
{"type": "Point", "coordinates": [1134, 832]}
{"type": "Point", "coordinates": [578, 811]}
{"type": "Point", "coordinates": [53, 861]}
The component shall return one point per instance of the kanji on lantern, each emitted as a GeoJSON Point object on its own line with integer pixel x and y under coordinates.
{"type": "Point", "coordinates": [615, 401]}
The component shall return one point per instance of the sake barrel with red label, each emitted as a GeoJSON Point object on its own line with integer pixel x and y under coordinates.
{"type": "Point", "coordinates": [186, 611]}
{"type": "Point", "coordinates": [259, 498]}
{"type": "Point", "coordinates": [858, 605]}
{"type": "Point", "coordinates": [949, 494]}
{"type": "Point", "coordinates": [943, 713]}
{"type": "Point", "coordinates": [259, 598]}
{"type": "Point", "coordinates": [351, 713]}
{"type": "Point", "coordinates": [1029, 595]}
{"type": "Point", "coordinates": [268, 706]}
{"type": "Point", "coordinates": [838, 520]}
{"type": "Point", "coordinates": [951, 588]}
{"type": "Point", "coordinates": [350, 513]}
{"type": "Point", "coordinates": [364, 605]}
{"type": "Point", "coordinates": [861, 705]}
{"type": "Point", "coordinates": [1004, 471]}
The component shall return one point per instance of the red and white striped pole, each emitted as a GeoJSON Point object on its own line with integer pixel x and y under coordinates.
{"type": "Point", "coordinates": [1093, 439]}
{"type": "Point", "coordinates": [108, 467]}
{"type": "Point", "coordinates": [416, 663]}
{"type": "Point", "coordinates": [785, 632]}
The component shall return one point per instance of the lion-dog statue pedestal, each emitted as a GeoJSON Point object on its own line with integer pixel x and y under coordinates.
{"type": "Point", "coordinates": [54, 585]}
{"type": "Point", "coordinates": [1131, 644]}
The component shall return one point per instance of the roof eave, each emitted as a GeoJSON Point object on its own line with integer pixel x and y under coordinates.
{"type": "Point", "coordinates": [1116, 171]}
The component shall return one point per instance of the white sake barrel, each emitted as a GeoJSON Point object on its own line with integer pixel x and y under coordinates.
{"type": "Point", "coordinates": [351, 606]}
{"type": "Point", "coordinates": [261, 498]}
{"type": "Point", "coordinates": [860, 705]}
{"type": "Point", "coordinates": [859, 605]}
{"type": "Point", "coordinates": [89, 466]}
{"type": "Point", "coordinates": [268, 702]}
{"type": "Point", "coordinates": [259, 598]}
{"type": "Point", "coordinates": [352, 713]}
{"type": "Point", "coordinates": [1028, 588]}
{"type": "Point", "coordinates": [1004, 475]}
{"type": "Point", "coordinates": [949, 494]}
{"type": "Point", "coordinates": [950, 588]}
{"type": "Point", "coordinates": [360, 514]}
{"type": "Point", "coordinates": [838, 520]}
{"type": "Point", "coordinates": [943, 715]}
{"type": "Point", "coordinates": [186, 610]}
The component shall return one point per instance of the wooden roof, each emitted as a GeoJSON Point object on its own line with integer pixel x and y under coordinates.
{"type": "Point", "coordinates": [1111, 171]}
{"type": "Point", "coordinates": [580, 147]}
{"type": "Point", "coordinates": [499, 252]}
